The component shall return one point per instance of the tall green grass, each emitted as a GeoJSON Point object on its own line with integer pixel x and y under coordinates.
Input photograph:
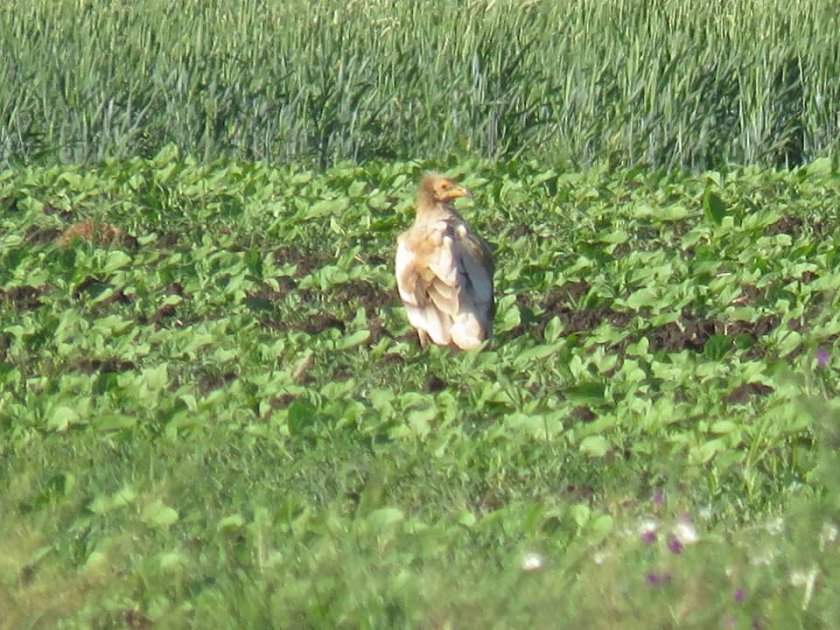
{"type": "Point", "coordinates": [668, 82]}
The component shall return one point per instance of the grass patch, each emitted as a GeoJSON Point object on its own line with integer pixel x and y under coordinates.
{"type": "Point", "coordinates": [665, 84]}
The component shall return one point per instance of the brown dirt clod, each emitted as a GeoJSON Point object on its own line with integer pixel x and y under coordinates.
{"type": "Point", "coordinates": [306, 261]}
{"type": "Point", "coordinates": [89, 366]}
{"type": "Point", "coordinates": [208, 382]}
{"type": "Point", "coordinates": [785, 225]}
{"type": "Point", "coordinates": [364, 293]}
{"type": "Point", "coordinates": [24, 298]}
{"type": "Point", "coordinates": [435, 384]}
{"type": "Point", "coordinates": [741, 394]}
{"type": "Point", "coordinates": [92, 231]}
{"type": "Point", "coordinates": [582, 414]}
{"type": "Point", "coordinates": [41, 236]}
{"type": "Point", "coordinates": [689, 334]}
{"type": "Point", "coordinates": [320, 322]}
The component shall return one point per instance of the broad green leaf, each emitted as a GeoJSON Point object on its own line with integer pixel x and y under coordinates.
{"type": "Point", "coordinates": [115, 260]}
{"type": "Point", "coordinates": [113, 422]}
{"type": "Point", "coordinates": [467, 519]}
{"type": "Point", "coordinates": [420, 419]}
{"type": "Point", "coordinates": [820, 167]}
{"type": "Point", "coordinates": [356, 188]}
{"type": "Point", "coordinates": [602, 524]}
{"type": "Point", "coordinates": [158, 514]}
{"type": "Point", "coordinates": [553, 330]}
{"type": "Point", "coordinates": [508, 319]}
{"type": "Point", "coordinates": [326, 208]}
{"type": "Point", "coordinates": [586, 393]}
{"type": "Point", "coordinates": [301, 414]}
{"type": "Point", "coordinates": [594, 446]}
{"type": "Point", "coordinates": [167, 154]}
{"type": "Point", "coordinates": [716, 347]}
{"type": "Point", "coordinates": [705, 452]}
{"type": "Point", "coordinates": [616, 237]}
{"type": "Point", "coordinates": [102, 504]}
{"type": "Point", "coordinates": [172, 561]}
{"type": "Point", "coordinates": [675, 212]}
{"type": "Point", "coordinates": [352, 340]}
{"type": "Point", "coordinates": [580, 513]}
{"type": "Point", "coordinates": [385, 517]}
{"type": "Point", "coordinates": [156, 378]}
{"type": "Point", "coordinates": [644, 298]}
{"type": "Point", "coordinates": [61, 418]}
{"type": "Point", "coordinates": [713, 207]}
{"type": "Point", "coordinates": [724, 426]}
{"type": "Point", "coordinates": [230, 523]}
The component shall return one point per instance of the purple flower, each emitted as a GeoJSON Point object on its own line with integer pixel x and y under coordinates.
{"type": "Point", "coordinates": [655, 580]}
{"type": "Point", "coordinates": [675, 545]}
{"type": "Point", "coordinates": [647, 531]}
{"type": "Point", "coordinates": [740, 595]}
{"type": "Point", "coordinates": [658, 498]}
{"type": "Point", "coordinates": [823, 357]}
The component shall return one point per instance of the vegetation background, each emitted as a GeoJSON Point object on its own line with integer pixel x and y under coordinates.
{"type": "Point", "coordinates": [213, 412]}
{"type": "Point", "coordinates": [664, 83]}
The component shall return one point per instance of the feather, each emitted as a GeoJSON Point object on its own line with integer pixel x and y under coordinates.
{"type": "Point", "coordinates": [444, 271]}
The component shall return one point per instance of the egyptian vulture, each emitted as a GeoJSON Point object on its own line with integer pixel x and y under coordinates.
{"type": "Point", "coordinates": [445, 271]}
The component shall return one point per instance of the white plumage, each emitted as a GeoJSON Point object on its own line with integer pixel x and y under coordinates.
{"type": "Point", "coordinates": [444, 271]}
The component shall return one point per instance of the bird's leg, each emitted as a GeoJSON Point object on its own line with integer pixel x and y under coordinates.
{"type": "Point", "coordinates": [423, 337]}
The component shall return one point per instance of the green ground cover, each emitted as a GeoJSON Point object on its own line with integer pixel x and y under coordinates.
{"type": "Point", "coordinates": [669, 83]}
{"type": "Point", "coordinates": [213, 412]}
{"type": "Point", "coordinates": [218, 416]}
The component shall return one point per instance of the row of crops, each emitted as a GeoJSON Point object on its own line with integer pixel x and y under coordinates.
{"type": "Point", "coordinates": [667, 83]}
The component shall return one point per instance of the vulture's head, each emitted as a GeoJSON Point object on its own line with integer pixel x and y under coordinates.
{"type": "Point", "coordinates": [435, 189]}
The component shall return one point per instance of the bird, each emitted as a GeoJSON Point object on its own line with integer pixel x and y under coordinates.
{"type": "Point", "coordinates": [444, 270]}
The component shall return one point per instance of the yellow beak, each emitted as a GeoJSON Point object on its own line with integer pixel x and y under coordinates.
{"type": "Point", "coordinates": [455, 192]}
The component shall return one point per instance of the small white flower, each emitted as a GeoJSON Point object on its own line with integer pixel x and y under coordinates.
{"type": "Point", "coordinates": [647, 528]}
{"type": "Point", "coordinates": [775, 526]}
{"type": "Point", "coordinates": [705, 514]}
{"type": "Point", "coordinates": [828, 535]}
{"type": "Point", "coordinates": [764, 559]}
{"type": "Point", "coordinates": [806, 580]}
{"type": "Point", "coordinates": [685, 533]}
{"type": "Point", "coordinates": [532, 561]}
{"type": "Point", "coordinates": [600, 557]}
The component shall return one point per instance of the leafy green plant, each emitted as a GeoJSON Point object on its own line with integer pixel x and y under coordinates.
{"type": "Point", "coordinates": [627, 82]}
{"type": "Point", "coordinates": [219, 413]}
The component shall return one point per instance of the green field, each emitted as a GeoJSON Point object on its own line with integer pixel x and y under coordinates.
{"type": "Point", "coordinates": [222, 416]}
{"type": "Point", "coordinates": [213, 410]}
{"type": "Point", "coordinates": [666, 83]}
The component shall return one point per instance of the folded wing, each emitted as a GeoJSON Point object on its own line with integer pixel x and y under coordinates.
{"type": "Point", "coordinates": [445, 279]}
